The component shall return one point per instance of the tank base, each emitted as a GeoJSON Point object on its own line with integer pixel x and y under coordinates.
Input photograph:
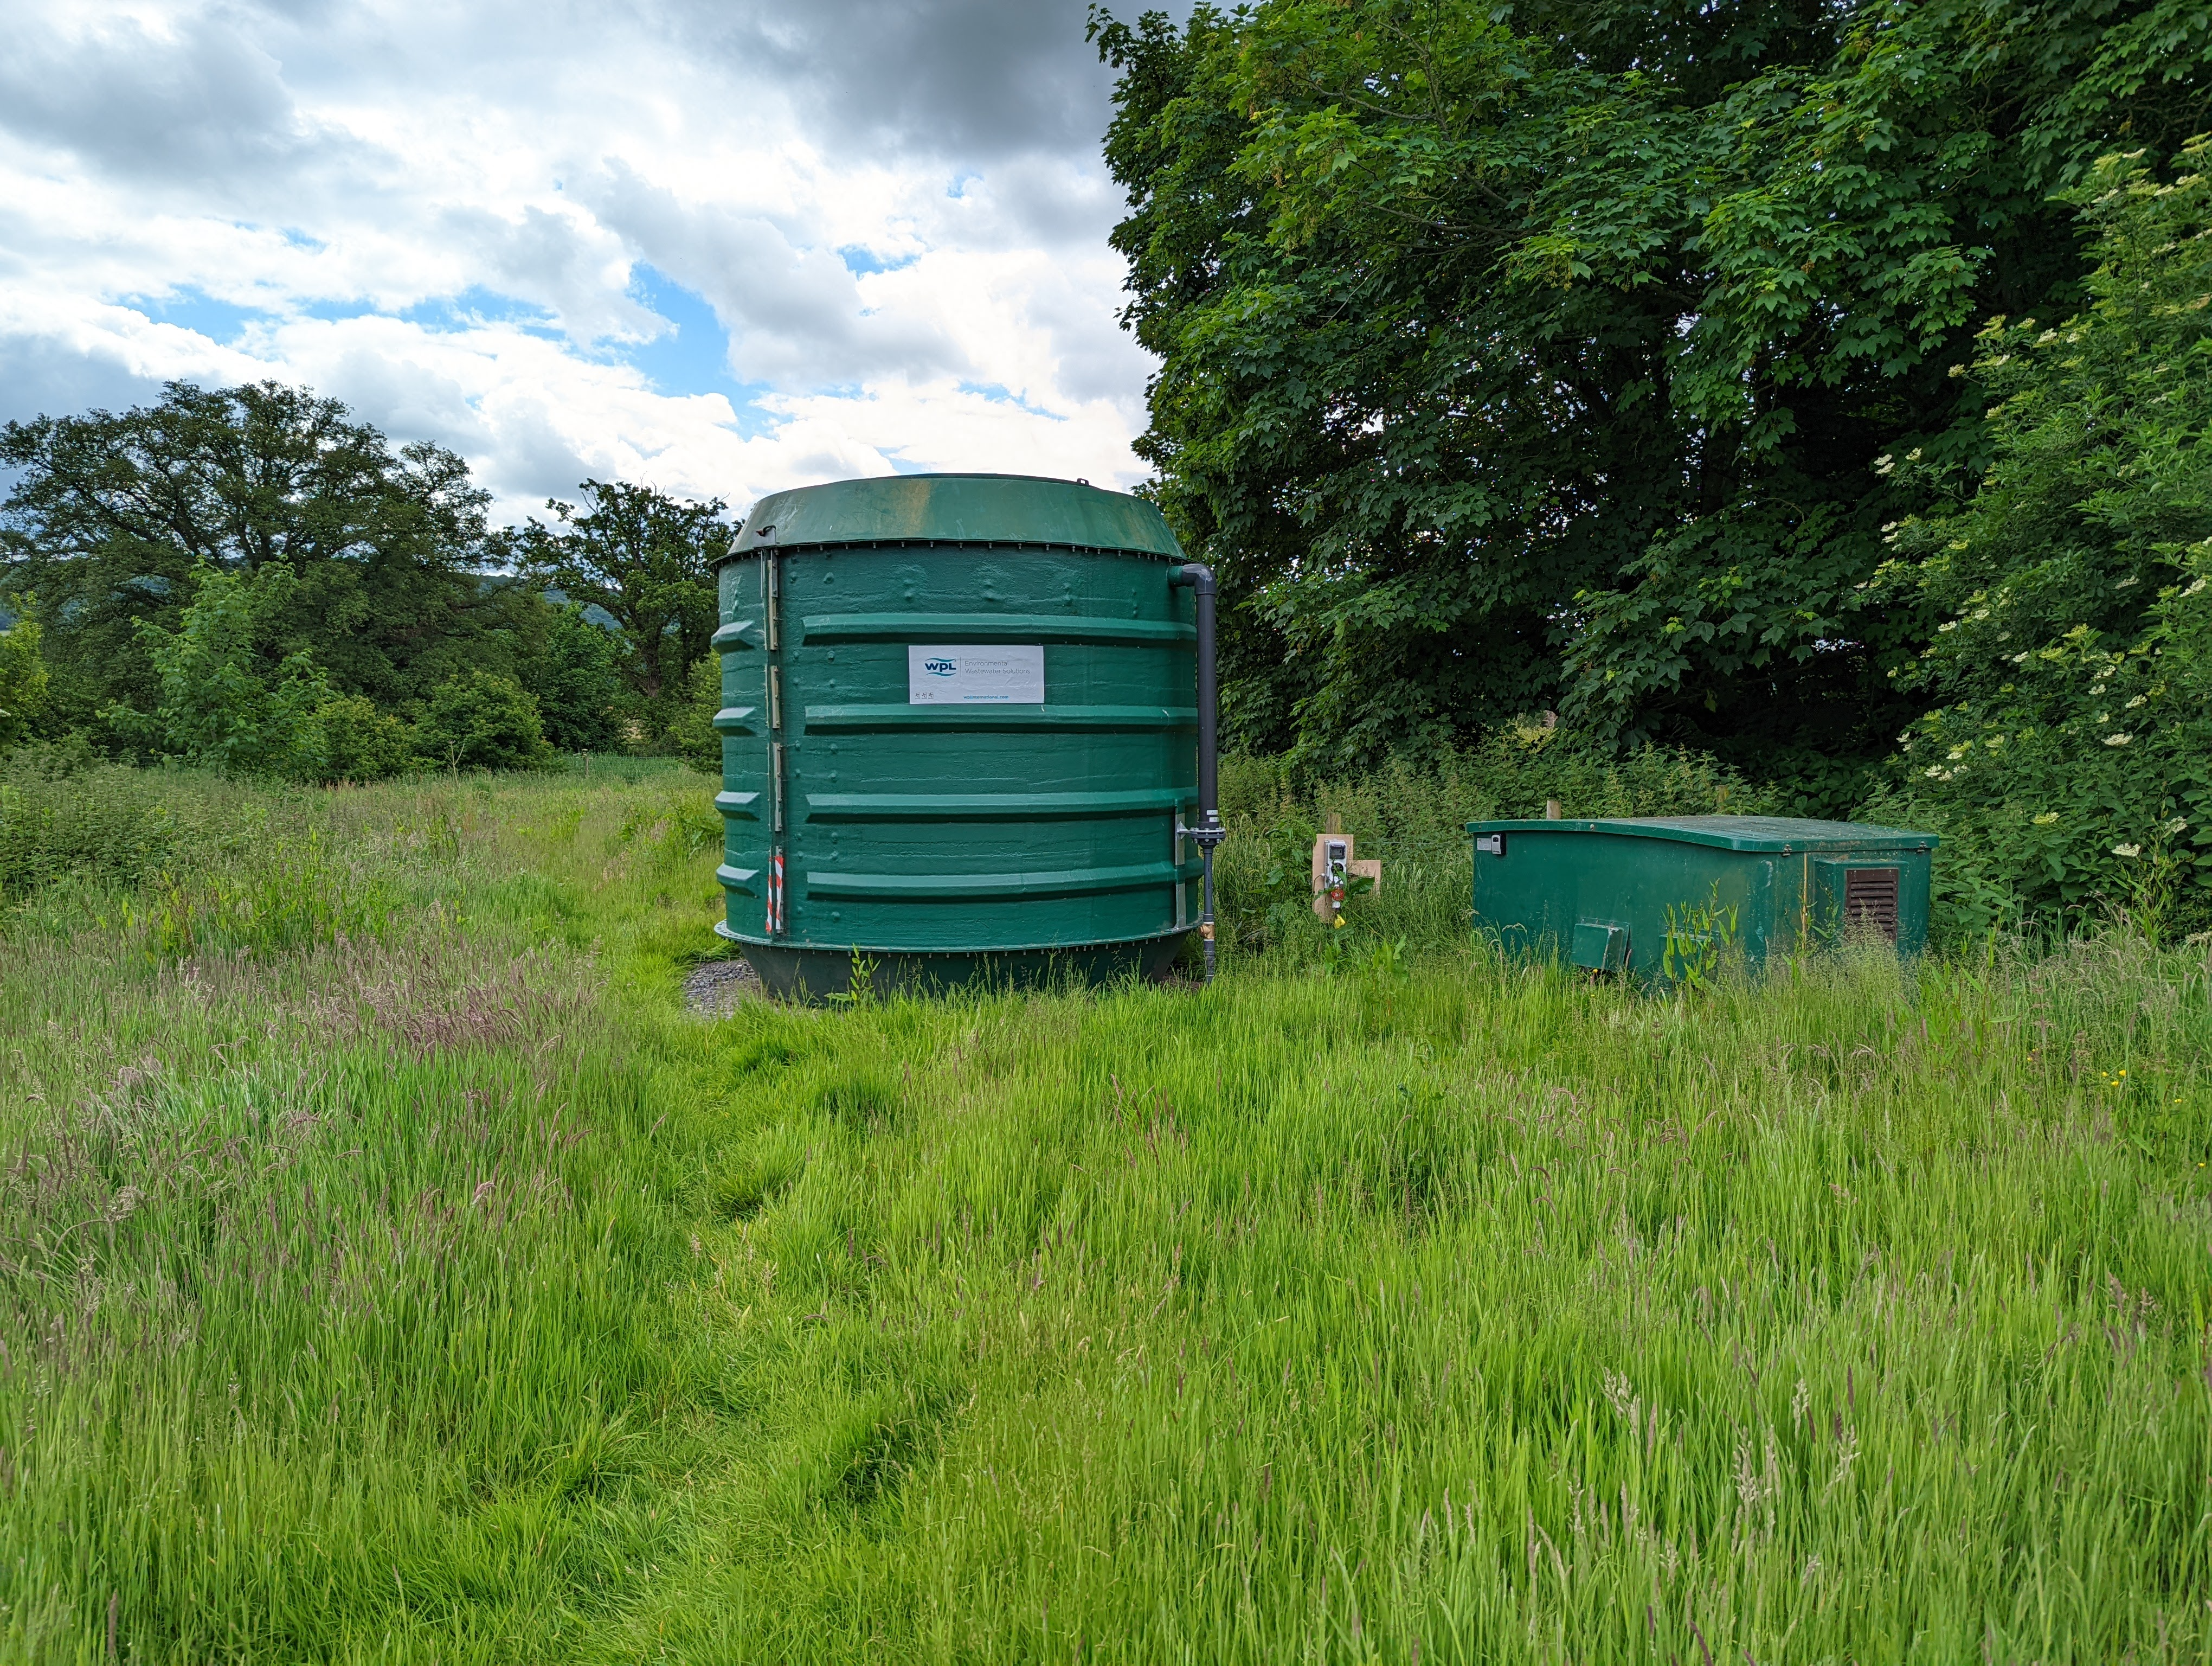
{"type": "Point", "coordinates": [792, 973]}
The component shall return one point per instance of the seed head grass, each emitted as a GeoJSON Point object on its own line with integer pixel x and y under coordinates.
{"type": "Point", "coordinates": [414, 1279]}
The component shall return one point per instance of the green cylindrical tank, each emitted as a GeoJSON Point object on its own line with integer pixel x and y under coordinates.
{"type": "Point", "coordinates": [958, 734]}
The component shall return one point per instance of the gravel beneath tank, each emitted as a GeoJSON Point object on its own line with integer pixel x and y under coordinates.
{"type": "Point", "coordinates": [715, 989]}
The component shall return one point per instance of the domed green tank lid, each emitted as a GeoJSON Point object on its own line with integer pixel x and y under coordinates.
{"type": "Point", "coordinates": [956, 508]}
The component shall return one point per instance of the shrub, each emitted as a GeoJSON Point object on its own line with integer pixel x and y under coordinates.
{"type": "Point", "coordinates": [2070, 759]}
{"type": "Point", "coordinates": [479, 720]}
{"type": "Point", "coordinates": [691, 731]}
{"type": "Point", "coordinates": [575, 679]}
{"type": "Point", "coordinates": [349, 739]}
{"type": "Point", "coordinates": [219, 705]}
{"type": "Point", "coordinates": [57, 820]}
{"type": "Point", "coordinates": [22, 681]}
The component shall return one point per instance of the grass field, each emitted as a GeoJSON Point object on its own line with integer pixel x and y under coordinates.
{"type": "Point", "coordinates": [391, 1269]}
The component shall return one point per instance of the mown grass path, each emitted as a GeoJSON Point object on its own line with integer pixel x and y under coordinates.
{"type": "Point", "coordinates": [395, 1271]}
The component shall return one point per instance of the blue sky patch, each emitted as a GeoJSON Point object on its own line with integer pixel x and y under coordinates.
{"type": "Point", "coordinates": [998, 394]}
{"type": "Point", "coordinates": [864, 263]}
{"type": "Point", "coordinates": [475, 305]}
{"type": "Point", "coordinates": [693, 358]}
{"type": "Point", "coordinates": [219, 321]}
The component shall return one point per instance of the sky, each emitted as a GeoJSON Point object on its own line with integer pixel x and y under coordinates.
{"type": "Point", "coordinates": [718, 246]}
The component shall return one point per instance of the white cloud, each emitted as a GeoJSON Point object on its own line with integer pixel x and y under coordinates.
{"type": "Point", "coordinates": [447, 217]}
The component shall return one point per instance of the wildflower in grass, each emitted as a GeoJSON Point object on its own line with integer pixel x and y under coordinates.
{"type": "Point", "coordinates": [2127, 850]}
{"type": "Point", "coordinates": [2046, 818]}
{"type": "Point", "coordinates": [2118, 739]}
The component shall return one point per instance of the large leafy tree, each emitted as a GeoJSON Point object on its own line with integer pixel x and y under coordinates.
{"type": "Point", "coordinates": [2067, 743]}
{"type": "Point", "coordinates": [647, 560]}
{"type": "Point", "coordinates": [113, 516]}
{"type": "Point", "coordinates": [1533, 355]}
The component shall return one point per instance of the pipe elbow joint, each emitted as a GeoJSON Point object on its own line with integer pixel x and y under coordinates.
{"type": "Point", "coordinates": [1196, 575]}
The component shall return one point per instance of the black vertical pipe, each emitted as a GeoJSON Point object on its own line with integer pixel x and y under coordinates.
{"type": "Point", "coordinates": [1209, 832]}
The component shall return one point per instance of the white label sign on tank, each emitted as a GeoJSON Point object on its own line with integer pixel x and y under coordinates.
{"type": "Point", "coordinates": [974, 674]}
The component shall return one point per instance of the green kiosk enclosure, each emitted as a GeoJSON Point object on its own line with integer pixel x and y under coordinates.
{"type": "Point", "coordinates": [1604, 894]}
{"type": "Point", "coordinates": [967, 732]}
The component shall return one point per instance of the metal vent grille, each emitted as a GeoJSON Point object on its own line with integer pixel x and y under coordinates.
{"type": "Point", "coordinates": [1870, 900]}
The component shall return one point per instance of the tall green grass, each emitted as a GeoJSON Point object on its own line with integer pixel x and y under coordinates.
{"type": "Point", "coordinates": [1414, 817]}
{"type": "Point", "coordinates": [424, 1285]}
{"type": "Point", "coordinates": [342, 1267]}
{"type": "Point", "coordinates": [1476, 1314]}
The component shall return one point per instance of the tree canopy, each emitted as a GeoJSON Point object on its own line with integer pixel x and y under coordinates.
{"type": "Point", "coordinates": [645, 558]}
{"type": "Point", "coordinates": [252, 578]}
{"type": "Point", "coordinates": [1541, 355]}
{"type": "Point", "coordinates": [2068, 738]}
{"type": "Point", "coordinates": [111, 515]}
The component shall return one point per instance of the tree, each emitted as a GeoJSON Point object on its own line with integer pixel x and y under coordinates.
{"type": "Point", "coordinates": [216, 707]}
{"type": "Point", "coordinates": [480, 721]}
{"type": "Point", "coordinates": [647, 559]}
{"type": "Point", "coordinates": [692, 735]}
{"type": "Point", "coordinates": [2070, 744]}
{"type": "Point", "coordinates": [570, 670]}
{"type": "Point", "coordinates": [23, 682]}
{"type": "Point", "coordinates": [112, 517]}
{"type": "Point", "coordinates": [1539, 356]}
